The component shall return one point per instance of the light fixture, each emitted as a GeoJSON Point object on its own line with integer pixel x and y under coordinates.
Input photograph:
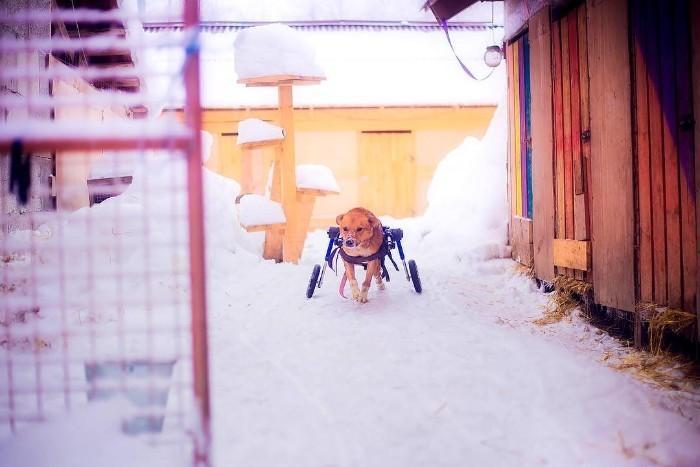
{"type": "Point", "coordinates": [493, 56]}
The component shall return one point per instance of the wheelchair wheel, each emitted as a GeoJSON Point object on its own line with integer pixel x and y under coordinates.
{"type": "Point", "coordinates": [415, 278]}
{"type": "Point", "coordinates": [313, 281]}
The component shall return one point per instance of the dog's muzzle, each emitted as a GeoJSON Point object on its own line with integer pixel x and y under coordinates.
{"type": "Point", "coordinates": [350, 242]}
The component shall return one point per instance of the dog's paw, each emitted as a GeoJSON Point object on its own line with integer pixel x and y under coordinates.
{"type": "Point", "coordinates": [362, 298]}
{"type": "Point", "coordinates": [356, 293]}
{"type": "Point", "coordinates": [381, 286]}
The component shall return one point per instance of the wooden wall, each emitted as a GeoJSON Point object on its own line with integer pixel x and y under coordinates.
{"type": "Point", "coordinates": [339, 138]}
{"type": "Point", "coordinates": [665, 165]}
{"type": "Point", "coordinates": [571, 130]}
{"type": "Point", "coordinates": [695, 63]}
{"type": "Point", "coordinates": [612, 203]}
{"type": "Point", "coordinates": [542, 143]}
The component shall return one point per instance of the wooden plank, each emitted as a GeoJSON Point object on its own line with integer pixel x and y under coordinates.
{"type": "Point", "coordinates": [685, 153]}
{"type": "Point", "coordinates": [695, 50]}
{"type": "Point", "coordinates": [542, 144]}
{"type": "Point", "coordinates": [560, 230]}
{"type": "Point", "coordinates": [281, 80]}
{"type": "Point", "coordinates": [511, 136]}
{"type": "Point", "coordinates": [575, 107]}
{"type": "Point", "coordinates": [522, 102]}
{"type": "Point", "coordinates": [573, 254]}
{"type": "Point", "coordinates": [566, 112]}
{"type": "Point", "coordinates": [585, 111]}
{"type": "Point", "coordinates": [670, 138]}
{"type": "Point", "coordinates": [274, 238]}
{"type": "Point", "coordinates": [522, 240]}
{"type": "Point", "coordinates": [612, 204]}
{"type": "Point", "coordinates": [263, 227]}
{"type": "Point", "coordinates": [658, 214]}
{"type": "Point", "coordinates": [645, 265]}
{"type": "Point", "coordinates": [516, 122]}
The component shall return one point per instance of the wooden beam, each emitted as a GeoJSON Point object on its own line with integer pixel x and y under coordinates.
{"type": "Point", "coordinates": [573, 254]}
{"type": "Point", "coordinates": [281, 80]}
{"type": "Point", "coordinates": [295, 233]}
{"type": "Point", "coordinates": [612, 204]}
{"type": "Point", "coordinates": [542, 143]}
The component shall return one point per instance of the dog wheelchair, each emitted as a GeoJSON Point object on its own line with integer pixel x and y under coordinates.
{"type": "Point", "coordinates": [392, 240]}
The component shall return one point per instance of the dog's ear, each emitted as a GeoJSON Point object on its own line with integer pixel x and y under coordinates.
{"type": "Point", "coordinates": [373, 221]}
{"type": "Point", "coordinates": [339, 218]}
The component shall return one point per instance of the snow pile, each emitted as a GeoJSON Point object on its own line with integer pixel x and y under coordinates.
{"type": "Point", "coordinates": [274, 49]}
{"type": "Point", "coordinates": [253, 130]}
{"type": "Point", "coordinates": [258, 210]}
{"type": "Point", "coordinates": [467, 212]}
{"type": "Point", "coordinates": [207, 145]}
{"type": "Point", "coordinates": [87, 437]}
{"type": "Point", "coordinates": [316, 177]}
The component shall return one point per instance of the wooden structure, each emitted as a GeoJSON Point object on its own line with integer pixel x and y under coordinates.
{"type": "Point", "coordinates": [360, 145]}
{"type": "Point", "coordinates": [284, 244]}
{"type": "Point", "coordinates": [603, 147]}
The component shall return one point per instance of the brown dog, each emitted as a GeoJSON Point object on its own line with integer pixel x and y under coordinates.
{"type": "Point", "coordinates": [362, 236]}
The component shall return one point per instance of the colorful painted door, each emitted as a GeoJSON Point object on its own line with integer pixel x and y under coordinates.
{"type": "Point", "coordinates": [571, 128]}
{"type": "Point", "coordinates": [387, 172]}
{"type": "Point", "coordinates": [664, 155]}
{"type": "Point", "coordinates": [520, 147]}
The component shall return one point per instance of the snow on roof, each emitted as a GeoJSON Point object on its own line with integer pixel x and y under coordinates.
{"type": "Point", "coordinates": [299, 10]}
{"type": "Point", "coordinates": [364, 67]}
{"type": "Point", "coordinates": [274, 49]}
{"type": "Point", "coordinates": [316, 177]}
{"type": "Point", "coordinates": [253, 130]}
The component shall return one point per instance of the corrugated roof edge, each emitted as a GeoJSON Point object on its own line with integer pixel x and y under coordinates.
{"type": "Point", "coordinates": [218, 26]}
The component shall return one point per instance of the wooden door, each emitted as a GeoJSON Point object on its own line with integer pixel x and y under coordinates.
{"type": "Point", "coordinates": [666, 253]}
{"type": "Point", "coordinates": [571, 128]}
{"type": "Point", "coordinates": [387, 173]}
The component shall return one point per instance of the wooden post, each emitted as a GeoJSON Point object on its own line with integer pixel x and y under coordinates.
{"type": "Point", "coordinates": [295, 232]}
{"type": "Point", "coordinates": [274, 237]}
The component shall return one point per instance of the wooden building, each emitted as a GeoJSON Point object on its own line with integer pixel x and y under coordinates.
{"type": "Point", "coordinates": [603, 146]}
{"type": "Point", "coordinates": [393, 104]}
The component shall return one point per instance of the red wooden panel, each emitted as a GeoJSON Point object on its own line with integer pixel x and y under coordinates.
{"type": "Point", "coordinates": [670, 146]}
{"type": "Point", "coordinates": [558, 133]}
{"type": "Point", "coordinates": [685, 153]}
{"type": "Point", "coordinates": [641, 107]}
{"type": "Point", "coordinates": [575, 105]}
{"type": "Point", "coordinates": [658, 213]}
{"type": "Point", "coordinates": [566, 112]}
{"type": "Point", "coordinates": [585, 117]}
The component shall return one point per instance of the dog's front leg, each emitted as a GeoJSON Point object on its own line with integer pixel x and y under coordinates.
{"type": "Point", "coordinates": [371, 272]}
{"type": "Point", "coordinates": [350, 272]}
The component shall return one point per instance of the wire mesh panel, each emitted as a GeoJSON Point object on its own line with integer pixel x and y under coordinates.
{"type": "Point", "coordinates": [102, 309]}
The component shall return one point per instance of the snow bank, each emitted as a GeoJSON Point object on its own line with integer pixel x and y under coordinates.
{"type": "Point", "coordinates": [274, 49]}
{"type": "Point", "coordinates": [87, 437]}
{"type": "Point", "coordinates": [316, 177]}
{"type": "Point", "coordinates": [258, 210]}
{"type": "Point", "coordinates": [467, 214]}
{"type": "Point", "coordinates": [253, 130]}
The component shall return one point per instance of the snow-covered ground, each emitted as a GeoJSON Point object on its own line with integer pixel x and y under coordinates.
{"type": "Point", "coordinates": [456, 376]}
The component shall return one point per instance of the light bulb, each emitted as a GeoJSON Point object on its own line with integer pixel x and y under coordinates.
{"type": "Point", "coordinates": [493, 56]}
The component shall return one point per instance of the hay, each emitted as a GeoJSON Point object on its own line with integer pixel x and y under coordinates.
{"type": "Point", "coordinates": [667, 319]}
{"type": "Point", "coordinates": [526, 270]}
{"type": "Point", "coordinates": [568, 294]}
{"type": "Point", "coordinates": [665, 370]}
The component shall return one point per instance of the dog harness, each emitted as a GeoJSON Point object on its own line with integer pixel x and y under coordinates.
{"type": "Point", "coordinates": [380, 254]}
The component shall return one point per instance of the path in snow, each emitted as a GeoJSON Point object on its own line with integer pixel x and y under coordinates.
{"type": "Point", "coordinates": [455, 376]}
